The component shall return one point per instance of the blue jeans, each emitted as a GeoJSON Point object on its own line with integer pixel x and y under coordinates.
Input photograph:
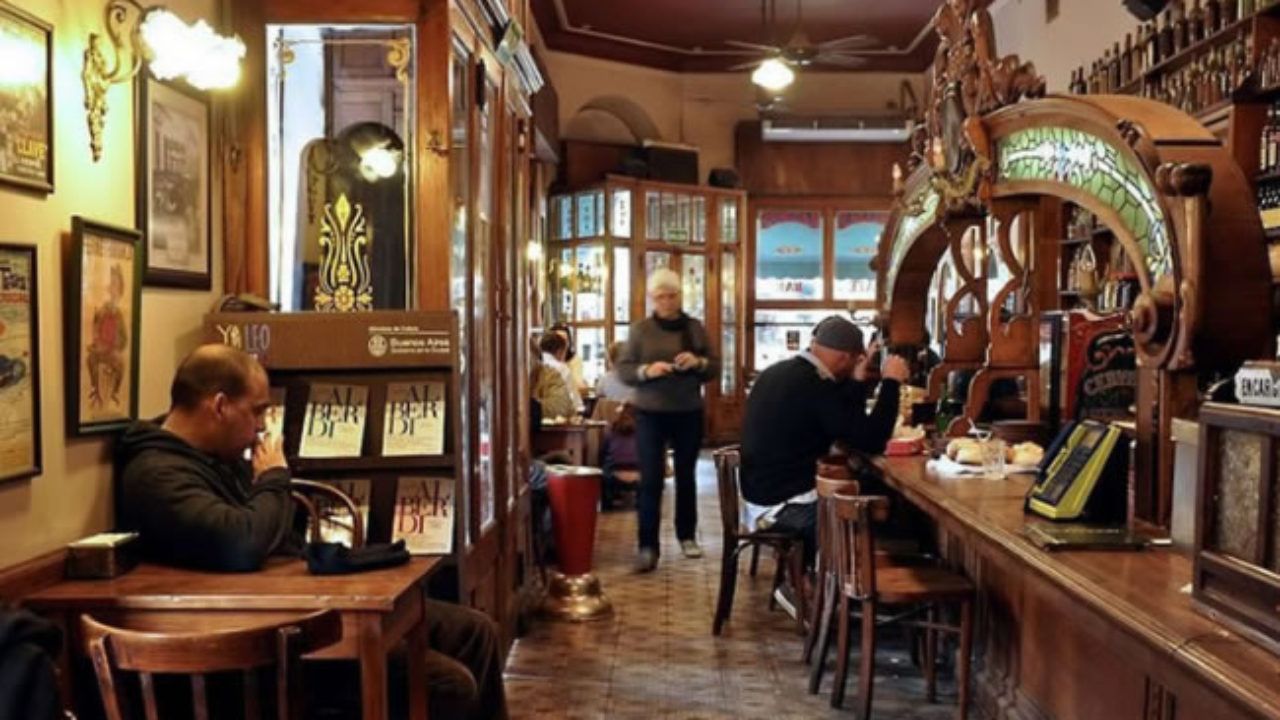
{"type": "Point", "coordinates": [654, 430]}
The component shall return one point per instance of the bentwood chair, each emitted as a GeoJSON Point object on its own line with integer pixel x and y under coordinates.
{"type": "Point", "coordinates": [738, 538]}
{"type": "Point", "coordinates": [306, 493]}
{"type": "Point", "coordinates": [875, 589]}
{"type": "Point", "coordinates": [250, 652]}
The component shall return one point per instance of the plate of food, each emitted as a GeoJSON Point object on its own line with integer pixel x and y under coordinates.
{"type": "Point", "coordinates": [965, 455]}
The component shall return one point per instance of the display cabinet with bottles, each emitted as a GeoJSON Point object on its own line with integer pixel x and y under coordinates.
{"type": "Point", "coordinates": [607, 238]}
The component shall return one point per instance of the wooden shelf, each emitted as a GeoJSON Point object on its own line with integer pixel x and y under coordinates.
{"type": "Point", "coordinates": [1271, 234]}
{"type": "Point", "coordinates": [1102, 231]}
{"type": "Point", "coordinates": [1076, 240]}
{"type": "Point", "coordinates": [1270, 176]}
{"type": "Point", "coordinates": [1069, 293]}
{"type": "Point", "coordinates": [407, 464]}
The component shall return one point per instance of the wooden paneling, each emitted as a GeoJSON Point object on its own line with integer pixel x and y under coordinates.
{"type": "Point", "coordinates": [31, 576]}
{"type": "Point", "coordinates": [846, 169]}
{"type": "Point", "coordinates": [584, 162]}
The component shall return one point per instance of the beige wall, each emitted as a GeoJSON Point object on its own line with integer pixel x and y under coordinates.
{"type": "Point", "coordinates": [701, 109]}
{"type": "Point", "coordinates": [1078, 36]}
{"type": "Point", "coordinates": [73, 496]}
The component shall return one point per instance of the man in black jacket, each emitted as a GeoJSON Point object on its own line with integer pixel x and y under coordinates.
{"type": "Point", "coordinates": [796, 409]}
{"type": "Point", "coordinates": [183, 484]}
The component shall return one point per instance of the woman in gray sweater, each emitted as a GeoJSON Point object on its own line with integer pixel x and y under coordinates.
{"type": "Point", "coordinates": [668, 358]}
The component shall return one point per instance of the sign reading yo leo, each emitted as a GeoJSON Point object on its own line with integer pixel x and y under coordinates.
{"type": "Point", "coordinates": [1258, 383]}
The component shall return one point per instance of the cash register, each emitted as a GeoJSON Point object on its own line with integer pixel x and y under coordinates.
{"type": "Point", "coordinates": [1084, 476]}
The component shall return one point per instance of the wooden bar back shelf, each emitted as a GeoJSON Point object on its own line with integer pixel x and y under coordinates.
{"type": "Point", "coordinates": [1175, 199]}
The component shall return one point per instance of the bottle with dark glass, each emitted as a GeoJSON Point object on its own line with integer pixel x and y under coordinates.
{"type": "Point", "coordinates": [1195, 23]}
{"type": "Point", "coordinates": [1212, 17]}
{"type": "Point", "coordinates": [1230, 11]}
{"type": "Point", "coordinates": [1166, 36]}
{"type": "Point", "coordinates": [1180, 37]}
{"type": "Point", "coordinates": [1104, 73]}
{"type": "Point", "coordinates": [1115, 77]}
{"type": "Point", "coordinates": [1246, 8]}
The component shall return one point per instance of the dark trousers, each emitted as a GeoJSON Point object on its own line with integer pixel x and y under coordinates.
{"type": "Point", "coordinates": [683, 430]}
{"type": "Point", "coordinates": [800, 520]}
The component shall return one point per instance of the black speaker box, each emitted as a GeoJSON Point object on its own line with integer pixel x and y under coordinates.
{"type": "Point", "coordinates": [1145, 9]}
{"type": "Point", "coordinates": [723, 178]}
{"type": "Point", "coordinates": [672, 164]}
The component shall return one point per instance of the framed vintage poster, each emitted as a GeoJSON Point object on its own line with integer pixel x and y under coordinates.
{"type": "Point", "coordinates": [173, 184]}
{"type": "Point", "coordinates": [19, 364]}
{"type": "Point", "coordinates": [26, 100]}
{"type": "Point", "coordinates": [104, 319]}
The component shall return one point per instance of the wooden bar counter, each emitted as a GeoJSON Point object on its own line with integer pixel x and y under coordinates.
{"type": "Point", "coordinates": [1083, 635]}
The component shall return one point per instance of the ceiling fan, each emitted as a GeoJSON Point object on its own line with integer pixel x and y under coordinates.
{"type": "Point", "coordinates": [799, 51]}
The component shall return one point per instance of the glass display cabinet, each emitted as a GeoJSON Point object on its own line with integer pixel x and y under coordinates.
{"type": "Point", "coordinates": [606, 239]}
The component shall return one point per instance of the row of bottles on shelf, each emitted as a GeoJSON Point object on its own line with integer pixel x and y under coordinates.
{"type": "Point", "coordinates": [1177, 30]}
{"type": "Point", "coordinates": [1269, 205]}
{"type": "Point", "coordinates": [1269, 145]}
{"type": "Point", "coordinates": [1085, 275]}
{"type": "Point", "coordinates": [1207, 79]}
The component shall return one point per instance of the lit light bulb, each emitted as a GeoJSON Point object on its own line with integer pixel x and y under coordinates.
{"type": "Point", "coordinates": [379, 162]}
{"type": "Point", "coordinates": [195, 52]}
{"type": "Point", "coordinates": [773, 74]}
{"type": "Point", "coordinates": [534, 251]}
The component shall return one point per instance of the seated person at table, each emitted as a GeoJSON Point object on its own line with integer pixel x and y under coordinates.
{"type": "Point", "coordinates": [552, 384]}
{"type": "Point", "coordinates": [796, 409]}
{"type": "Point", "coordinates": [614, 407]}
{"type": "Point", "coordinates": [183, 484]}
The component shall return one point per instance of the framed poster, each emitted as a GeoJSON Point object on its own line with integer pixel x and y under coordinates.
{"type": "Point", "coordinates": [104, 318]}
{"type": "Point", "coordinates": [173, 185]}
{"type": "Point", "coordinates": [19, 364]}
{"type": "Point", "coordinates": [26, 100]}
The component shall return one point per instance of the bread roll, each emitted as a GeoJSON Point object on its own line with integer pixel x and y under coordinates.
{"type": "Point", "coordinates": [1027, 453]}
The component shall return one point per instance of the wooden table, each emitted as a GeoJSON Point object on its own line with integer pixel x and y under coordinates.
{"type": "Point", "coordinates": [1084, 635]}
{"type": "Point", "coordinates": [379, 608]}
{"type": "Point", "coordinates": [580, 441]}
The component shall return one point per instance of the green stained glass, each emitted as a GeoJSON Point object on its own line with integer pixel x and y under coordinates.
{"type": "Point", "coordinates": [909, 227]}
{"type": "Point", "coordinates": [1084, 161]}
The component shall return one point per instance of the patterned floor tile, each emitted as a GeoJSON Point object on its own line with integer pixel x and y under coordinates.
{"type": "Point", "coordinates": [656, 658]}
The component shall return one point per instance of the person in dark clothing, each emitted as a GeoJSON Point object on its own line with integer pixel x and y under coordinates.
{"type": "Point", "coordinates": [668, 358]}
{"type": "Point", "coordinates": [183, 484]}
{"type": "Point", "coordinates": [28, 678]}
{"type": "Point", "coordinates": [796, 409]}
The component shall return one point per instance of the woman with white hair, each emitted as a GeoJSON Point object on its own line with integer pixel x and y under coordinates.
{"type": "Point", "coordinates": [668, 358]}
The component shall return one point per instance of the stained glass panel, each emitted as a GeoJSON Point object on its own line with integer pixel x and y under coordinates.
{"type": "Point", "coordinates": [857, 237]}
{"type": "Point", "coordinates": [1086, 162]}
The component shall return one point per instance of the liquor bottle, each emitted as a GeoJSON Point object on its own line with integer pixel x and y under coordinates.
{"type": "Point", "coordinates": [1126, 60]}
{"type": "Point", "coordinates": [1246, 8]}
{"type": "Point", "coordinates": [1180, 37]}
{"type": "Point", "coordinates": [1115, 77]}
{"type": "Point", "coordinates": [1266, 142]}
{"type": "Point", "coordinates": [1212, 17]}
{"type": "Point", "coordinates": [1196, 23]}
{"type": "Point", "coordinates": [1230, 11]}
{"type": "Point", "coordinates": [1166, 36]}
{"type": "Point", "coordinates": [1153, 46]}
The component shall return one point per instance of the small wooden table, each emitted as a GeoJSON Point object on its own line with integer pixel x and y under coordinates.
{"type": "Point", "coordinates": [379, 608]}
{"type": "Point", "coordinates": [580, 441]}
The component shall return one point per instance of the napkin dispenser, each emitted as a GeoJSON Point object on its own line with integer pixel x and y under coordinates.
{"type": "Point", "coordinates": [105, 555]}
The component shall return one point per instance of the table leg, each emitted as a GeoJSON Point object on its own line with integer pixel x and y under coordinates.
{"type": "Point", "coordinates": [373, 667]}
{"type": "Point", "coordinates": [417, 670]}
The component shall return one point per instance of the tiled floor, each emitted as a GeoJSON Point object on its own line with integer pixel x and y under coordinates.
{"type": "Point", "coordinates": [656, 658]}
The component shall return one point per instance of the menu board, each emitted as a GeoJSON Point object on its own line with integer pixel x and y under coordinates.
{"type": "Point", "coordinates": [334, 423]}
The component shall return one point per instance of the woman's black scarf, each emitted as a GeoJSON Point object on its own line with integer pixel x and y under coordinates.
{"type": "Point", "coordinates": [680, 324]}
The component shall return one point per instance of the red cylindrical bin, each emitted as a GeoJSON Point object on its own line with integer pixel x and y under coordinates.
{"type": "Point", "coordinates": [574, 494]}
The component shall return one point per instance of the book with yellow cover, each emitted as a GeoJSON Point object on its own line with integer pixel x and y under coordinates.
{"type": "Point", "coordinates": [424, 515]}
{"type": "Point", "coordinates": [413, 423]}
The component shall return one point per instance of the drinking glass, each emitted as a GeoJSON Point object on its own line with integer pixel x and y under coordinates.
{"type": "Point", "coordinates": [993, 458]}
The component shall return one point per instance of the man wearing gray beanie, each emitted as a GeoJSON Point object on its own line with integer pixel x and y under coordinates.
{"type": "Point", "coordinates": [796, 409]}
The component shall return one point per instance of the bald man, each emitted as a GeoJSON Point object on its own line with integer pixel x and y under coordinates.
{"type": "Point", "coordinates": [183, 484]}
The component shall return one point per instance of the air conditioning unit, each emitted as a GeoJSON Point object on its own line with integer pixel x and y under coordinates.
{"type": "Point", "coordinates": [837, 130]}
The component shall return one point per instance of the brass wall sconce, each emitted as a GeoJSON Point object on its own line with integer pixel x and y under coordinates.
{"type": "Point", "coordinates": [171, 48]}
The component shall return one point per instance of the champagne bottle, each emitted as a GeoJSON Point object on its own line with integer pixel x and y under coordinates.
{"type": "Point", "coordinates": [1196, 23]}
{"type": "Point", "coordinates": [1166, 36]}
{"type": "Point", "coordinates": [1212, 17]}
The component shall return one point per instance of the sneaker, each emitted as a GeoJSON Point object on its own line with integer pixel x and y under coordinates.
{"type": "Point", "coordinates": [646, 560]}
{"type": "Point", "coordinates": [690, 549]}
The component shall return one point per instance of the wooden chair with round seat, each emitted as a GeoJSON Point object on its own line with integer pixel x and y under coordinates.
{"type": "Point", "coordinates": [875, 588]}
{"type": "Point", "coordinates": [252, 652]}
{"type": "Point", "coordinates": [738, 538]}
{"type": "Point", "coordinates": [305, 492]}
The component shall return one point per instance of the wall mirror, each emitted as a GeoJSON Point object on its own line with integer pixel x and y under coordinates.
{"type": "Point", "coordinates": [340, 109]}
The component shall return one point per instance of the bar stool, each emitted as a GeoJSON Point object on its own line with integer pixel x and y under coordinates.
{"type": "Point", "coordinates": [875, 588]}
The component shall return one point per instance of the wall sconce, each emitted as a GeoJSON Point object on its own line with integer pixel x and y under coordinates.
{"type": "Point", "coordinates": [170, 47]}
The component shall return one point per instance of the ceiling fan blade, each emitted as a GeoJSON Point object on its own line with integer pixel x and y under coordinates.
{"type": "Point", "coordinates": [745, 66]}
{"type": "Point", "coordinates": [849, 42]}
{"type": "Point", "coordinates": [833, 60]}
{"type": "Point", "coordinates": [753, 46]}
